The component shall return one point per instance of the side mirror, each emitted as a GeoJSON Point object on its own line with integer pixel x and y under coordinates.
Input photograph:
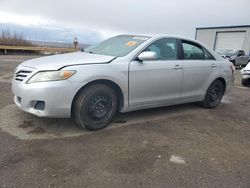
{"type": "Point", "coordinates": [147, 56]}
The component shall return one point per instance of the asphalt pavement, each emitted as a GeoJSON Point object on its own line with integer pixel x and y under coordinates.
{"type": "Point", "coordinates": [178, 146]}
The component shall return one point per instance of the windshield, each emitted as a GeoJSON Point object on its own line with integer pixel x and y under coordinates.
{"type": "Point", "coordinates": [118, 46]}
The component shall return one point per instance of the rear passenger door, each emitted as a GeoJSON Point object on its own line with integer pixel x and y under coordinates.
{"type": "Point", "coordinates": [198, 66]}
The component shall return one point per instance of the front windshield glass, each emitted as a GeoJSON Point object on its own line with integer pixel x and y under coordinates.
{"type": "Point", "coordinates": [118, 46]}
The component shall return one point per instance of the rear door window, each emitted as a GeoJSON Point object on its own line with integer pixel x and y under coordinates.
{"type": "Point", "coordinates": [207, 55]}
{"type": "Point", "coordinates": [192, 51]}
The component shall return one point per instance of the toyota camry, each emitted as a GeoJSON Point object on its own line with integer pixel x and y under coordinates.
{"type": "Point", "coordinates": [121, 74]}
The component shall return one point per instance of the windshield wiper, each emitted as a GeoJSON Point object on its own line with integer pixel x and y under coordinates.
{"type": "Point", "coordinates": [87, 51]}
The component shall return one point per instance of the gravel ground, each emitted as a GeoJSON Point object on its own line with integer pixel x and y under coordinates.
{"type": "Point", "coordinates": [180, 146]}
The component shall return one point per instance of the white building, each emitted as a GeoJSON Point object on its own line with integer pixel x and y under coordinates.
{"type": "Point", "coordinates": [225, 38]}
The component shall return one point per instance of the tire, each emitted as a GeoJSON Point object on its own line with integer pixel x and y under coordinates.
{"type": "Point", "coordinates": [244, 82]}
{"type": "Point", "coordinates": [214, 95]}
{"type": "Point", "coordinates": [94, 107]}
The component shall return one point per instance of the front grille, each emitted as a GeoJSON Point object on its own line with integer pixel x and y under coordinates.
{"type": "Point", "coordinates": [20, 75]}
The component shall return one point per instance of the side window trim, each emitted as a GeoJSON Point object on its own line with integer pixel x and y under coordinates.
{"type": "Point", "coordinates": [180, 49]}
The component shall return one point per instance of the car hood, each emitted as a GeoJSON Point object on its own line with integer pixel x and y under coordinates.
{"type": "Point", "coordinates": [56, 62]}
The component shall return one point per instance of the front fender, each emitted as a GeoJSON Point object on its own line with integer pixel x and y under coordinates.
{"type": "Point", "coordinates": [114, 72]}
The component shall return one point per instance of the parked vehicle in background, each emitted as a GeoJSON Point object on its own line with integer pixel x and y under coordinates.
{"type": "Point", "coordinates": [245, 75]}
{"type": "Point", "coordinates": [240, 58]}
{"type": "Point", "coordinates": [123, 73]}
{"type": "Point", "coordinates": [226, 54]}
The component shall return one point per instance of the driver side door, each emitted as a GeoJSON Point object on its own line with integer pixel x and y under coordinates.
{"type": "Point", "coordinates": [156, 82]}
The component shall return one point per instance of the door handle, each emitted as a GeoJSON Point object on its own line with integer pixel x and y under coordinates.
{"type": "Point", "coordinates": [177, 67]}
{"type": "Point", "coordinates": [213, 66]}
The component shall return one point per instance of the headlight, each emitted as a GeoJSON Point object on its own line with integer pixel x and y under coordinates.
{"type": "Point", "coordinates": [47, 76]}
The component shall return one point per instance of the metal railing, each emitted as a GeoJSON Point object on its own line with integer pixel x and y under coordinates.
{"type": "Point", "coordinates": [44, 50]}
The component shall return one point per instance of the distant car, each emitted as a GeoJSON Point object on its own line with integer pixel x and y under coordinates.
{"type": "Point", "coordinates": [245, 75]}
{"type": "Point", "coordinates": [123, 73]}
{"type": "Point", "coordinates": [240, 59]}
{"type": "Point", "coordinates": [226, 54]}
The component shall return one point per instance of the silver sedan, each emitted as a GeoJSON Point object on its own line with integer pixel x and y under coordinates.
{"type": "Point", "coordinates": [123, 73]}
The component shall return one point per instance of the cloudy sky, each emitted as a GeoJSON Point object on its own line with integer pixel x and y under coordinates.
{"type": "Point", "coordinates": [95, 20]}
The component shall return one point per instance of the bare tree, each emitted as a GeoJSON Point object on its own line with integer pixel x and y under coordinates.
{"type": "Point", "coordinates": [13, 39]}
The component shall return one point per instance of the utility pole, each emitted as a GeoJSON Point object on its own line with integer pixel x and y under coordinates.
{"type": "Point", "coordinates": [75, 42]}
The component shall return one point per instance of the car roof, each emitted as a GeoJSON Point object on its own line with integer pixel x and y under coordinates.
{"type": "Point", "coordinates": [172, 36]}
{"type": "Point", "coordinates": [159, 36]}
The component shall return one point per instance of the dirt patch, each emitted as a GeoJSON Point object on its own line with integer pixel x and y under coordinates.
{"type": "Point", "coordinates": [26, 124]}
{"type": "Point", "coordinates": [28, 127]}
{"type": "Point", "coordinates": [120, 121]}
{"type": "Point", "coordinates": [11, 116]}
{"type": "Point", "coordinates": [37, 130]}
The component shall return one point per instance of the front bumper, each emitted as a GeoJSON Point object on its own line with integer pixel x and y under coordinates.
{"type": "Point", "coordinates": [57, 97]}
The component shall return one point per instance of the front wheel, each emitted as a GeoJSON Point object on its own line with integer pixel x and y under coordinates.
{"type": "Point", "coordinates": [214, 95]}
{"type": "Point", "coordinates": [95, 107]}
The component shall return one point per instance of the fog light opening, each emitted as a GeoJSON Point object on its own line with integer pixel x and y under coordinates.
{"type": "Point", "coordinates": [39, 105]}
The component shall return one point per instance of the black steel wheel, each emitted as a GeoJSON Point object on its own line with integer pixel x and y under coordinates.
{"type": "Point", "coordinates": [214, 95]}
{"type": "Point", "coordinates": [95, 107]}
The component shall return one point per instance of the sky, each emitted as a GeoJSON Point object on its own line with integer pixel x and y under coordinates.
{"type": "Point", "coordinates": [95, 20]}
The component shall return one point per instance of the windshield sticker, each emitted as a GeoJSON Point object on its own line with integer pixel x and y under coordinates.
{"type": "Point", "coordinates": [131, 43]}
{"type": "Point", "coordinates": [140, 38]}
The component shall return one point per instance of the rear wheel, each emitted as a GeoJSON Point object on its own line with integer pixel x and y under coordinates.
{"type": "Point", "coordinates": [95, 107]}
{"type": "Point", "coordinates": [214, 95]}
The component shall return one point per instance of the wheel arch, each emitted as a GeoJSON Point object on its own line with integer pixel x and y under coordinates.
{"type": "Point", "coordinates": [112, 84]}
{"type": "Point", "coordinates": [223, 82]}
